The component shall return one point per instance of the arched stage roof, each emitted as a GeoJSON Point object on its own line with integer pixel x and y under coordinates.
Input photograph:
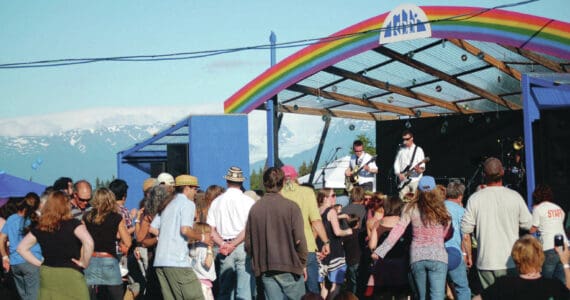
{"type": "Point", "coordinates": [472, 62]}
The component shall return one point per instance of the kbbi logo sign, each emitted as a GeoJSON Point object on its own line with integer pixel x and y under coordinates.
{"type": "Point", "coordinates": [405, 22]}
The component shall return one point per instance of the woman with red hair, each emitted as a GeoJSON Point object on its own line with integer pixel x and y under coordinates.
{"type": "Point", "coordinates": [66, 246]}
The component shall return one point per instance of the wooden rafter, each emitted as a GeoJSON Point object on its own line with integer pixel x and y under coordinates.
{"type": "Point", "coordinates": [537, 58]}
{"type": "Point", "coordinates": [334, 113]}
{"type": "Point", "coordinates": [487, 58]}
{"type": "Point", "coordinates": [446, 77]}
{"type": "Point", "coordinates": [356, 101]}
{"type": "Point", "coordinates": [394, 88]}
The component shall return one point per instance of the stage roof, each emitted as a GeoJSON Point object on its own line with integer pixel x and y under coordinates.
{"type": "Point", "coordinates": [472, 61]}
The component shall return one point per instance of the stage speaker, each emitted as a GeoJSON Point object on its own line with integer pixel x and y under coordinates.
{"type": "Point", "coordinates": [177, 159]}
{"type": "Point", "coordinates": [156, 168]}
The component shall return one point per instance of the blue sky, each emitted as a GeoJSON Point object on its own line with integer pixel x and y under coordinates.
{"type": "Point", "coordinates": [39, 30]}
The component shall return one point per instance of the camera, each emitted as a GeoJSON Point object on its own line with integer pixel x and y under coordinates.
{"type": "Point", "coordinates": [559, 241]}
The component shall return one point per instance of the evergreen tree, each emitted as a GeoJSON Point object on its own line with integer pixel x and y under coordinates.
{"type": "Point", "coordinates": [305, 168]}
{"type": "Point", "coordinates": [369, 147]}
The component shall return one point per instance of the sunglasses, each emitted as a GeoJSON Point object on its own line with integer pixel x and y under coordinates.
{"type": "Point", "coordinates": [407, 139]}
{"type": "Point", "coordinates": [83, 199]}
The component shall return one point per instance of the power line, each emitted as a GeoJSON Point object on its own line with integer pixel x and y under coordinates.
{"type": "Point", "coordinates": [208, 53]}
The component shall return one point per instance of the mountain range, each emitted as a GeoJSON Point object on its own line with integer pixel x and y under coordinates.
{"type": "Point", "coordinates": [89, 150]}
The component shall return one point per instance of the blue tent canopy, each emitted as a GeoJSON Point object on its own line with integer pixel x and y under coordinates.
{"type": "Point", "coordinates": [12, 186]}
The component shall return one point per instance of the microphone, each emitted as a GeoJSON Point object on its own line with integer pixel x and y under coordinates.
{"type": "Point", "coordinates": [338, 148]}
{"type": "Point", "coordinates": [400, 145]}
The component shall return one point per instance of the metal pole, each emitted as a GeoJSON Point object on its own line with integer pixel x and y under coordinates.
{"type": "Point", "coordinates": [271, 108]}
{"type": "Point", "coordinates": [319, 151]}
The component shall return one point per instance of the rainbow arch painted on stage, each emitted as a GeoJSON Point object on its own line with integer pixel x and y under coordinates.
{"type": "Point", "coordinates": [471, 23]}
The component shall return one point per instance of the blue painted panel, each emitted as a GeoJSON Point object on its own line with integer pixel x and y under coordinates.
{"type": "Point", "coordinates": [216, 144]}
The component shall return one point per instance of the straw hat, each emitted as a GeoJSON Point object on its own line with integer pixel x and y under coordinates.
{"type": "Point", "coordinates": [184, 180]}
{"type": "Point", "coordinates": [149, 183]}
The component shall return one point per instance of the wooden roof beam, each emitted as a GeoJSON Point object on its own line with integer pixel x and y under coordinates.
{"type": "Point", "coordinates": [356, 101]}
{"type": "Point", "coordinates": [537, 58]}
{"type": "Point", "coordinates": [487, 58]}
{"type": "Point", "coordinates": [334, 113]}
{"type": "Point", "coordinates": [393, 88]}
{"type": "Point", "coordinates": [446, 77]}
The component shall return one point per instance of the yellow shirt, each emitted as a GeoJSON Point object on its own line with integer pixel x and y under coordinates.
{"type": "Point", "coordinates": [307, 201]}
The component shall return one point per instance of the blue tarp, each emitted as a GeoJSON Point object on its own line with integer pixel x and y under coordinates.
{"type": "Point", "coordinates": [12, 186]}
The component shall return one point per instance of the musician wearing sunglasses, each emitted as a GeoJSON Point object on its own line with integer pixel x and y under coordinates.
{"type": "Point", "coordinates": [80, 199]}
{"type": "Point", "coordinates": [409, 165]}
{"type": "Point", "coordinates": [362, 168]}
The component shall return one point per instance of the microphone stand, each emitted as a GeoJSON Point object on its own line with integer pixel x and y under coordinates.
{"type": "Point", "coordinates": [327, 162]}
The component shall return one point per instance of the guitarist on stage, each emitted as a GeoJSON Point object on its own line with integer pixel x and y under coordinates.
{"type": "Point", "coordinates": [366, 165]}
{"type": "Point", "coordinates": [409, 158]}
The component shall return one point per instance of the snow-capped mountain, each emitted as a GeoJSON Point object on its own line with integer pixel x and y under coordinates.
{"type": "Point", "coordinates": [86, 146]}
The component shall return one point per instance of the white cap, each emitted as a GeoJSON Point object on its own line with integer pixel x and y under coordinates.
{"type": "Point", "coordinates": [165, 178]}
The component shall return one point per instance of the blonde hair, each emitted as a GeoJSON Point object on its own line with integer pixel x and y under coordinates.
{"type": "Point", "coordinates": [431, 207]}
{"type": "Point", "coordinates": [201, 227]}
{"type": "Point", "coordinates": [103, 204]}
{"type": "Point", "coordinates": [527, 254]}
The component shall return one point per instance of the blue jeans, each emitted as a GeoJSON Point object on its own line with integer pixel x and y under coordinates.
{"type": "Point", "coordinates": [312, 284]}
{"type": "Point", "coordinates": [235, 276]}
{"type": "Point", "coordinates": [458, 277]}
{"type": "Point", "coordinates": [283, 286]}
{"type": "Point", "coordinates": [103, 271]}
{"type": "Point", "coordinates": [27, 280]}
{"type": "Point", "coordinates": [351, 274]}
{"type": "Point", "coordinates": [429, 272]}
{"type": "Point", "coordinates": [552, 267]}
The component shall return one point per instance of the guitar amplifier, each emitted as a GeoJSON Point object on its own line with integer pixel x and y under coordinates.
{"type": "Point", "coordinates": [446, 180]}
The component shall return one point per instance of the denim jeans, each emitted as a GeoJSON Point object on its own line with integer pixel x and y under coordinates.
{"type": "Point", "coordinates": [235, 276]}
{"type": "Point", "coordinates": [458, 277]}
{"type": "Point", "coordinates": [429, 272]}
{"type": "Point", "coordinates": [351, 275]}
{"type": "Point", "coordinates": [312, 284]}
{"type": "Point", "coordinates": [552, 267]}
{"type": "Point", "coordinates": [283, 286]}
{"type": "Point", "coordinates": [27, 280]}
{"type": "Point", "coordinates": [103, 271]}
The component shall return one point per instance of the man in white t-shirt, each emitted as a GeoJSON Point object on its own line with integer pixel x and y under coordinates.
{"type": "Point", "coordinates": [227, 216]}
{"type": "Point", "coordinates": [365, 164]}
{"type": "Point", "coordinates": [496, 213]}
{"type": "Point", "coordinates": [409, 158]}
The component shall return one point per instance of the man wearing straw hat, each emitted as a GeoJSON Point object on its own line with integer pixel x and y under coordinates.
{"type": "Point", "coordinates": [227, 216]}
{"type": "Point", "coordinates": [173, 226]}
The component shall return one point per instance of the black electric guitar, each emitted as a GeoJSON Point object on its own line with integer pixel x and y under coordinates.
{"type": "Point", "coordinates": [350, 181]}
{"type": "Point", "coordinates": [407, 172]}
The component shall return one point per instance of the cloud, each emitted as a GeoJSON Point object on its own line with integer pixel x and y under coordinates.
{"type": "Point", "coordinates": [100, 117]}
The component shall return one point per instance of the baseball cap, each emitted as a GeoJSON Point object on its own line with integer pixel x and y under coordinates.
{"type": "Point", "coordinates": [165, 178]}
{"type": "Point", "coordinates": [427, 183]}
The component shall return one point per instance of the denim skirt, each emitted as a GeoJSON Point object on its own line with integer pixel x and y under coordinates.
{"type": "Point", "coordinates": [103, 271]}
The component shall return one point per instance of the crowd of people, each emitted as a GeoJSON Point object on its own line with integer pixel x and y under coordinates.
{"type": "Point", "coordinates": [288, 241]}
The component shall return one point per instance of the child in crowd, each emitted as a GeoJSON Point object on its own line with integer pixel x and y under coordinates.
{"type": "Point", "coordinates": [202, 257]}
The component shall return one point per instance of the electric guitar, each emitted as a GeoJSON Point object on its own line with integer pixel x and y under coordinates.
{"type": "Point", "coordinates": [407, 172]}
{"type": "Point", "coordinates": [350, 181]}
